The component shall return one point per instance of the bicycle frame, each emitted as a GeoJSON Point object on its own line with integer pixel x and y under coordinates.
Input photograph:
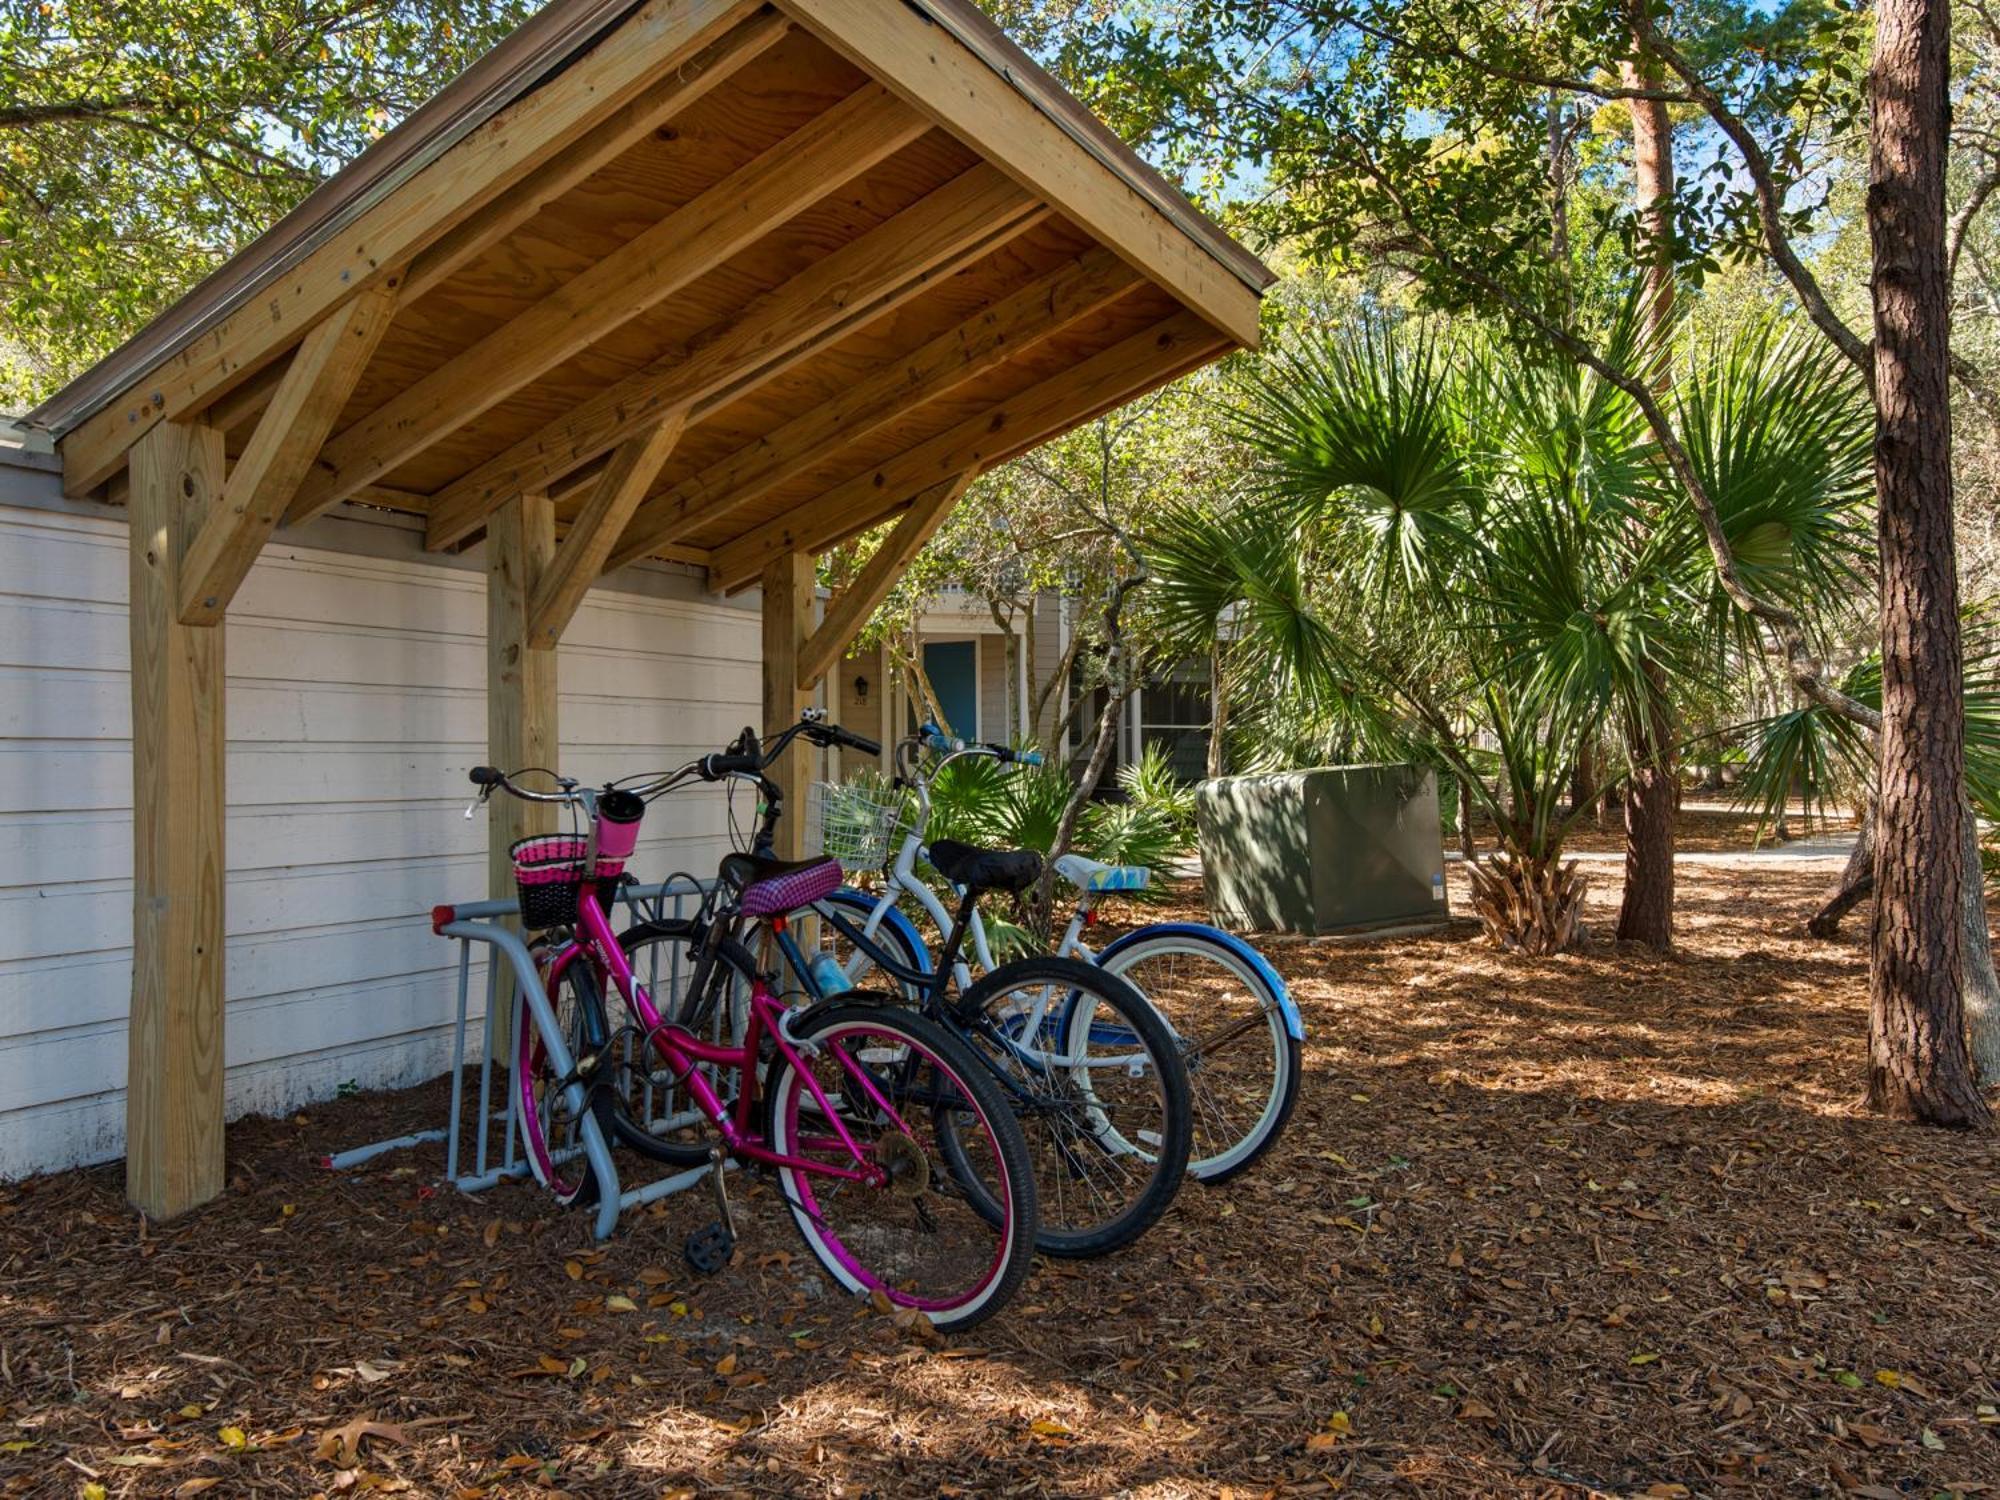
{"type": "Point", "coordinates": [684, 1053]}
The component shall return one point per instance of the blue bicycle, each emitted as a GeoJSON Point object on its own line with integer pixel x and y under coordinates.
{"type": "Point", "coordinates": [1237, 1026]}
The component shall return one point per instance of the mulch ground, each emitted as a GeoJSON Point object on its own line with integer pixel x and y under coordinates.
{"type": "Point", "coordinates": [1604, 1224]}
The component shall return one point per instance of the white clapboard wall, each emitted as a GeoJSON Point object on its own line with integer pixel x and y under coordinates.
{"type": "Point", "coordinates": [356, 705]}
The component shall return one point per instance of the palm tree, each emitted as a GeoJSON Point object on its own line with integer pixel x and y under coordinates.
{"type": "Point", "coordinates": [1459, 549]}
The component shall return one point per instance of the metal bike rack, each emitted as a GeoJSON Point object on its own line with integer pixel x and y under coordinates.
{"type": "Point", "coordinates": [484, 922]}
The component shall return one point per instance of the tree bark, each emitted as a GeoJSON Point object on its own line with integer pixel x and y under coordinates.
{"type": "Point", "coordinates": [1646, 913]}
{"type": "Point", "coordinates": [1918, 1064]}
{"type": "Point", "coordinates": [1652, 797]}
{"type": "Point", "coordinates": [1467, 845]}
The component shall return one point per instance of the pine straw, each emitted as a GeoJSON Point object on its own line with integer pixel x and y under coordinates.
{"type": "Point", "coordinates": [1602, 1224]}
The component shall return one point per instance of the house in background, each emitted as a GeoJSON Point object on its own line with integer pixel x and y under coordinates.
{"type": "Point", "coordinates": [988, 689]}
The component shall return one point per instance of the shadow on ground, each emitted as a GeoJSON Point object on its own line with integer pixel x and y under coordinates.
{"type": "Point", "coordinates": [1607, 1223]}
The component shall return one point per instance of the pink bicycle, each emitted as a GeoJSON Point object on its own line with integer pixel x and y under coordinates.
{"type": "Point", "coordinates": [889, 1144]}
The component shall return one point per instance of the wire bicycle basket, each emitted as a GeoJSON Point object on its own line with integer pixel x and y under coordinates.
{"type": "Point", "coordinates": [855, 821]}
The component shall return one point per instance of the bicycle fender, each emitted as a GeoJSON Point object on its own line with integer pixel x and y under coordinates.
{"type": "Point", "coordinates": [863, 904]}
{"type": "Point", "coordinates": [1259, 965]}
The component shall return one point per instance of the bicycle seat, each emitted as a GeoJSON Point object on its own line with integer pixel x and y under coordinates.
{"type": "Point", "coordinates": [1095, 875]}
{"type": "Point", "coordinates": [772, 887]}
{"type": "Point", "coordinates": [986, 869]}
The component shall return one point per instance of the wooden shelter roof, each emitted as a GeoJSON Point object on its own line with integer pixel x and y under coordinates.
{"type": "Point", "coordinates": [729, 280]}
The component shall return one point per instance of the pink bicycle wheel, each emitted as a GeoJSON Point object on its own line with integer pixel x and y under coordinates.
{"type": "Point", "coordinates": [914, 1233]}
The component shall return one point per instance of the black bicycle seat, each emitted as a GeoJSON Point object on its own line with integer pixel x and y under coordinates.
{"type": "Point", "coordinates": [986, 869]}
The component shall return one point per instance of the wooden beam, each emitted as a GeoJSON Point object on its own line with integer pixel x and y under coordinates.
{"type": "Point", "coordinates": [820, 157]}
{"type": "Point", "coordinates": [521, 725]}
{"type": "Point", "coordinates": [787, 616]}
{"type": "Point", "coordinates": [173, 1102]}
{"type": "Point", "coordinates": [847, 614]}
{"type": "Point", "coordinates": [940, 76]}
{"type": "Point", "coordinates": [396, 228]}
{"type": "Point", "coordinates": [863, 280]}
{"type": "Point", "coordinates": [317, 383]}
{"type": "Point", "coordinates": [982, 343]}
{"type": "Point", "coordinates": [669, 95]}
{"type": "Point", "coordinates": [665, 98]}
{"type": "Point", "coordinates": [1109, 377]}
{"type": "Point", "coordinates": [614, 497]}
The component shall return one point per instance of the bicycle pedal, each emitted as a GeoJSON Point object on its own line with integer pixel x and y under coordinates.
{"type": "Point", "coordinates": [708, 1249]}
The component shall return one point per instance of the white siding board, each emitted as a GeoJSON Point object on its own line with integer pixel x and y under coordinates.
{"type": "Point", "coordinates": [356, 705]}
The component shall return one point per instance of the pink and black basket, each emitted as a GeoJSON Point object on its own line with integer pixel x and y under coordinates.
{"type": "Point", "coordinates": [548, 867]}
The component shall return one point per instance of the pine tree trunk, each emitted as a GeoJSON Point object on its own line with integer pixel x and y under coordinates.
{"type": "Point", "coordinates": [1467, 845]}
{"type": "Point", "coordinates": [1583, 781]}
{"type": "Point", "coordinates": [1918, 1065]}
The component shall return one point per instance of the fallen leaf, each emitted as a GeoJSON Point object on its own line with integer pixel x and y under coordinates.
{"type": "Point", "coordinates": [620, 1304]}
{"type": "Point", "coordinates": [343, 1445]}
{"type": "Point", "coordinates": [1642, 1359]}
{"type": "Point", "coordinates": [726, 1365]}
{"type": "Point", "coordinates": [235, 1439]}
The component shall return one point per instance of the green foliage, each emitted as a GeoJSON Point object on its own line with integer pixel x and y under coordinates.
{"type": "Point", "coordinates": [1469, 554]}
{"type": "Point", "coordinates": [144, 141]}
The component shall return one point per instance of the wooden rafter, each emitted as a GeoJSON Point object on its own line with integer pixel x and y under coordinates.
{"type": "Point", "coordinates": [980, 344]}
{"type": "Point", "coordinates": [614, 497]}
{"type": "Point", "coordinates": [316, 385]}
{"type": "Point", "coordinates": [850, 611]}
{"type": "Point", "coordinates": [863, 280]}
{"type": "Point", "coordinates": [1116, 374]}
{"type": "Point", "coordinates": [827, 152]}
{"type": "Point", "coordinates": [940, 76]}
{"type": "Point", "coordinates": [484, 166]}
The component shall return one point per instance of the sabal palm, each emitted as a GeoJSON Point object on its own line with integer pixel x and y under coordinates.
{"type": "Point", "coordinates": [1475, 543]}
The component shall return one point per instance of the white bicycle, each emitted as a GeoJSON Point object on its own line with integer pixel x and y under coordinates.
{"type": "Point", "coordinates": [1237, 1026]}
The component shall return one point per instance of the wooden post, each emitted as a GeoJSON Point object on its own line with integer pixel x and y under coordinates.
{"type": "Point", "coordinates": [520, 697]}
{"type": "Point", "coordinates": [173, 1103]}
{"type": "Point", "coordinates": [788, 602]}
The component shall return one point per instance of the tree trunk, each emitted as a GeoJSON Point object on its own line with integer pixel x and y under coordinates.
{"type": "Point", "coordinates": [1918, 1064]}
{"type": "Point", "coordinates": [1856, 883]}
{"type": "Point", "coordinates": [1981, 986]}
{"type": "Point", "coordinates": [1467, 846]}
{"type": "Point", "coordinates": [1218, 715]}
{"type": "Point", "coordinates": [1532, 906]}
{"type": "Point", "coordinates": [1652, 797]}
{"type": "Point", "coordinates": [1583, 782]}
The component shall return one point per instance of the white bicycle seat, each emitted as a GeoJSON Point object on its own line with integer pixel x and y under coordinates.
{"type": "Point", "coordinates": [1095, 875]}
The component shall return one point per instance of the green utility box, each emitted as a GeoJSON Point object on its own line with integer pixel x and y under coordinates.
{"type": "Point", "coordinates": [1335, 849]}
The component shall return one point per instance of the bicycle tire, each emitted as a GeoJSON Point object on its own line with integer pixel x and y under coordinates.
{"type": "Point", "coordinates": [972, 1091]}
{"type": "Point", "coordinates": [1061, 1120]}
{"type": "Point", "coordinates": [1191, 999]}
{"type": "Point", "coordinates": [553, 1151]}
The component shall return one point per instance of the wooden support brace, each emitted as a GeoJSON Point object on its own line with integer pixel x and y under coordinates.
{"type": "Point", "coordinates": [847, 614]}
{"type": "Point", "coordinates": [316, 385]}
{"type": "Point", "coordinates": [788, 603]}
{"type": "Point", "coordinates": [173, 1103]}
{"type": "Point", "coordinates": [818, 158]}
{"type": "Point", "coordinates": [617, 493]}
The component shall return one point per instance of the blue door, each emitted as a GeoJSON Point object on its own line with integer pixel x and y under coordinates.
{"type": "Point", "coordinates": [953, 668]}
